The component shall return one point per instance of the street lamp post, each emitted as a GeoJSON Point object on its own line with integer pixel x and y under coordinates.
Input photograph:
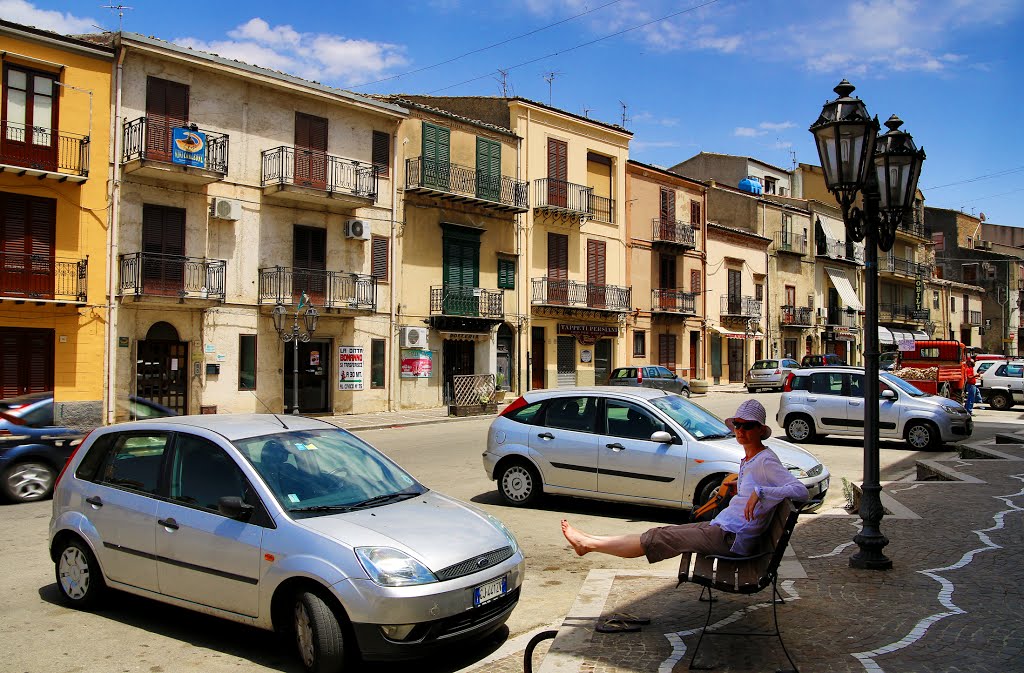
{"type": "Point", "coordinates": [310, 318]}
{"type": "Point", "coordinates": [884, 171]}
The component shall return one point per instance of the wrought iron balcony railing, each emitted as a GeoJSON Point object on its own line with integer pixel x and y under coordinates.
{"type": "Point", "coordinates": [912, 227]}
{"type": "Point", "coordinates": [788, 241]}
{"type": "Point", "coordinates": [835, 249]}
{"type": "Point", "coordinates": [602, 208]}
{"type": "Point", "coordinates": [558, 292]}
{"type": "Point", "coordinates": [673, 301]}
{"type": "Point", "coordinates": [902, 313]}
{"type": "Point", "coordinates": [673, 231]}
{"type": "Point", "coordinates": [325, 289]}
{"type": "Point", "coordinates": [974, 318]}
{"type": "Point", "coordinates": [464, 181]}
{"type": "Point", "coordinates": [43, 277]}
{"type": "Point", "coordinates": [797, 315]}
{"type": "Point", "coordinates": [44, 149]}
{"type": "Point", "coordinates": [151, 138]}
{"type": "Point", "coordinates": [303, 167]}
{"type": "Point", "coordinates": [842, 317]}
{"type": "Point", "coordinates": [560, 195]}
{"type": "Point", "coordinates": [149, 273]}
{"type": "Point", "coordinates": [471, 302]}
{"type": "Point", "coordinates": [740, 307]}
{"type": "Point", "coordinates": [905, 267]}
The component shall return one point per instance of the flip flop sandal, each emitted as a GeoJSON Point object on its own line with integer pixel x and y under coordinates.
{"type": "Point", "coordinates": [629, 619]}
{"type": "Point", "coordinates": [616, 626]}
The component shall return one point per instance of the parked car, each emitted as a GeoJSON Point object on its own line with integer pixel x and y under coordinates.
{"type": "Point", "coordinates": [770, 374]}
{"type": "Point", "coordinates": [830, 401]}
{"type": "Point", "coordinates": [825, 360]}
{"type": "Point", "coordinates": [982, 367]}
{"type": "Point", "coordinates": [32, 448]}
{"type": "Point", "coordinates": [887, 360]}
{"type": "Point", "coordinates": [631, 445]}
{"type": "Point", "coordinates": [650, 376]}
{"type": "Point", "coordinates": [140, 408]}
{"type": "Point", "coordinates": [285, 523]}
{"type": "Point", "coordinates": [1002, 384]}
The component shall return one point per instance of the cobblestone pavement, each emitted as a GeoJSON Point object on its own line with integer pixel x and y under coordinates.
{"type": "Point", "coordinates": [952, 601]}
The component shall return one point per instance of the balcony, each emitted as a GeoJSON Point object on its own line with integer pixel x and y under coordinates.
{"type": "Point", "coordinates": [902, 313]}
{"type": "Point", "coordinates": [974, 318]}
{"type": "Point", "coordinates": [297, 176]}
{"type": "Point", "coordinates": [793, 243]}
{"type": "Point", "coordinates": [42, 278]}
{"type": "Point", "coordinates": [49, 153]}
{"type": "Point", "coordinates": [912, 228]}
{"type": "Point", "coordinates": [467, 302]}
{"type": "Point", "coordinates": [569, 293]}
{"type": "Point", "coordinates": [838, 316]}
{"type": "Point", "coordinates": [452, 182]}
{"type": "Point", "coordinates": [839, 250]}
{"type": "Point", "coordinates": [602, 209]}
{"type": "Point", "coordinates": [153, 274]}
{"type": "Point", "coordinates": [562, 198]}
{"type": "Point", "coordinates": [325, 289]}
{"type": "Point", "coordinates": [797, 316]}
{"type": "Point", "coordinates": [673, 232]}
{"type": "Point", "coordinates": [157, 147]}
{"type": "Point", "coordinates": [905, 267]}
{"type": "Point", "coordinates": [735, 306]}
{"type": "Point", "coordinates": [673, 302]}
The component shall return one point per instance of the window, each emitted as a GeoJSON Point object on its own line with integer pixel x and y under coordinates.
{"type": "Point", "coordinates": [630, 422]}
{"type": "Point", "coordinates": [309, 257]}
{"type": "Point", "coordinates": [247, 362]}
{"type": "Point", "coordinates": [488, 169]}
{"type": "Point", "coordinates": [639, 343]}
{"type": "Point", "coordinates": [970, 272]}
{"type": "Point", "coordinates": [695, 214]}
{"type": "Point", "coordinates": [940, 271]}
{"type": "Point", "coordinates": [377, 363]}
{"type": "Point", "coordinates": [166, 110]}
{"type": "Point", "coordinates": [134, 462]}
{"type": "Point", "coordinates": [966, 304]}
{"type": "Point", "coordinates": [665, 372]}
{"type": "Point", "coordinates": [572, 413]}
{"type": "Point", "coordinates": [952, 304]}
{"type": "Point", "coordinates": [759, 292]}
{"type": "Point", "coordinates": [506, 273]}
{"type": "Point", "coordinates": [31, 110]}
{"type": "Point", "coordinates": [939, 239]}
{"type": "Point", "coordinates": [311, 159]}
{"type": "Point", "coordinates": [27, 239]}
{"type": "Point", "coordinates": [695, 281]}
{"type": "Point", "coordinates": [790, 295]}
{"type": "Point", "coordinates": [827, 383]}
{"type": "Point", "coordinates": [935, 299]}
{"type": "Point", "coordinates": [382, 153]}
{"type": "Point", "coordinates": [202, 473]}
{"type": "Point", "coordinates": [527, 414]}
{"type": "Point", "coordinates": [379, 260]}
{"type": "Point", "coordinates": [667, 208]}
{"type": "Point", "coordinates": [769, 185]}
{"type": "Point", "coordinates": [931, 352]}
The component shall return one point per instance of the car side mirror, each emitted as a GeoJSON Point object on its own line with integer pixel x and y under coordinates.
{"type": "Point", "coordinates": [233, 507]}
{"type": "Point", "coordinates": [661, 437]}
{"type": "Point", "coordinates": [887, 395]}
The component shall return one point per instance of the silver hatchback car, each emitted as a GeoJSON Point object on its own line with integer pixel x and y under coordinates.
{"type": "Point", "coordinates": [285, 523]}
{"type": "Point", "coordinates": [626, 444]}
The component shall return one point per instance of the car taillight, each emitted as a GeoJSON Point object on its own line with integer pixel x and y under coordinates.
{"type": "Point", "coordinates": [787, 387]}
{"type": "Point", "coordinates": [516, 405]}
{"type": "Point", "coordinates": [5, 433]}
{"type": "Point", "coordinates": [639, 376]}
{"type": "Point", "coordinates": [70, 458]}
{"type": "Point", "coordinates": [778, 371]}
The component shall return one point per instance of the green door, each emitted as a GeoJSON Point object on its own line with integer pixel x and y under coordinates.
{"type": "Point", "coordinates": [436, 157]}
{"type": "Point", "coordinates": [461, 271]}
{"type": "Point", "coordinates": [488, 169]}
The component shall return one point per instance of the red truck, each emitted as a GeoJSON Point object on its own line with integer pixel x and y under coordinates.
{"type": "Point", "coordinates": [937, 367]}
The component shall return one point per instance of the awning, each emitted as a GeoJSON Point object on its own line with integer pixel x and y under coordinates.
{"type": "Point", "coordinates": [730, 334]}
{"type": "Point", "coordinates": [901, 335]}
{"type": "Point", "coordinates": [920, 335]}
{"type": "Point", "coordinates": [835, 231]}
{"type": "Point", "coordinates": [885, 336]}
{"type": "Point", "coordinates": [844, 287]}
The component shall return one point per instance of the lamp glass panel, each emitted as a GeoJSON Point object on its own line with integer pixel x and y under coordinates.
{"type": "Point", "coordinates": [827, 153]}
{"type": "Point", "coordinates": [278, 314]}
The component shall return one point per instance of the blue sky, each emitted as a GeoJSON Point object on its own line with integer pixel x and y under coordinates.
{"type": "Point", "coordinates": [732, 76]}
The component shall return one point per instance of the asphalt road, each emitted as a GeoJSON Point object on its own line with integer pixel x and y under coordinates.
{"type": "Point", "coordinates": [38, 635]}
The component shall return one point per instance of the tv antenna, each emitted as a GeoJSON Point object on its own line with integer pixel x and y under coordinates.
{"type": "Point", "coordinates": [549, 77]}
{"type": "Point", "coordinates": [625, 119]}
{"type": "Point", "coordinates": [792, 157]}
{"type": "Point", "coordinates": [503, 80]}
{"type": "Point", "coordinates": [120, 13]}
{"type": "Point", "coordinates": [587, 111]}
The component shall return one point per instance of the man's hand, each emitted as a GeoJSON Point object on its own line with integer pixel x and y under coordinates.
{"type": "Point", "coordinates": [748, 512]}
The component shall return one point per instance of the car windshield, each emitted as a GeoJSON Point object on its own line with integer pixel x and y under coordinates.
{"type": "Point", "coordinates": [766, 364]}
{"type": "Point", "coordinates": [696, 420]}
{"type": "Point", "coordinates": [897, 382]}
{"type": "Point", "coordinates": [323, 471]}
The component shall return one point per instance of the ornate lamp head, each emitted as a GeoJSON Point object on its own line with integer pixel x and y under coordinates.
{"type": "Point", "coordinates": [278, 315]}
{"type": "Point", "coordinates": [310, 319]}
{"type": "Point", "coordinates": [897, 163]}
{"type": "Point", "coordinates": [845, 136]}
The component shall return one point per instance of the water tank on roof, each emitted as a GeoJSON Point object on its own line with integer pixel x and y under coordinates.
{"type": "Point", "coordinates": [751, 184]}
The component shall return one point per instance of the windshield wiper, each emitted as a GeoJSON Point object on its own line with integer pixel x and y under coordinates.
{"type": "Point", "coordinates": [726, 436]}
{"type": "Point", "coordinates": [379, 499]}
{"type": "Point", "coordinates": [322, 508]}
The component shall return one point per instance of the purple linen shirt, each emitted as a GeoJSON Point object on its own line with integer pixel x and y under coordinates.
{"type": "Point", "coordinates": [775, 483]}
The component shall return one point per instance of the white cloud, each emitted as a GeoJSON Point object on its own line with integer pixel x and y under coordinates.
{"type": "Point", "coordinates": [746, 132]}
{"type": "Point", "coordinates": [651, 118]}
{"type": "Point", "coordinates": [764, 128]}
{"type": "Point", "coordinates": [317, 56]}
{"type": "Point", "coordinates": [20, 11]}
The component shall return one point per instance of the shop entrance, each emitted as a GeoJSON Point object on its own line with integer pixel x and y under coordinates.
{"type": "Point", "coordinates": [566, 361]}
{"type": "Point", "coordinates": [161, 368]}
{"type": "Point", "coordinates": [457, 360]}
{"type": "Point", "coordinates": [537, 363]}
{"type": "Point", "coordinates": [314, 377]}
{"type": "Point", "coordinates": [602, 361]}
{"type": "Point", "coordinates": [736, 360]}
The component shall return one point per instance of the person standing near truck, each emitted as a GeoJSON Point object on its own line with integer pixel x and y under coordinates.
{"type": "Point", "coordinates": [970, 386]}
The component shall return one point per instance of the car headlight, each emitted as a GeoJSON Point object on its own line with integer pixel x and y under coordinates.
{"type": "Point", "coordinates": [505, 531]}
{"type": "Point", "coordinates": [954, 411]}
{"type": "Point", "coordinates": [797, 472]}
{"type": "Point", "coordinates": [393, 568]}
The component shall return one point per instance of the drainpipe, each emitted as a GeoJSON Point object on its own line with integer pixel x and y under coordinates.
{"type": "Point", "coordinates": [112, 242]}
{"type": "Point", "coordinates": [394, 397]}
{"type": "Point", "coordinates": [520, 326]}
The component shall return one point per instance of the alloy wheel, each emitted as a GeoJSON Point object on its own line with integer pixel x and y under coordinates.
{"type": "Point", "coordinates": [304, 635]}
{"type": "Point", "coordinates": [74, 573]}
{"type": "Point", "coordinates": [29, 481]}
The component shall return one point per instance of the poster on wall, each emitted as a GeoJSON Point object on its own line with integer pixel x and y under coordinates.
{"type": "Point", "coordinates": [188, 147]}
{"type": "Point", "coordinates": [350, 368]}
{"type": "Point", "coordinates": [417, 363]}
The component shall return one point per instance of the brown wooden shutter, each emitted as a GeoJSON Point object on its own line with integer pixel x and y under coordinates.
{"type": "Point", "coordinates": [310, 151]}
{"type": "Point", "coordinates": [695, 214]}
{"type": "Point", "coordinates": [379, 258]}
{"type": "Point", "coordinates": [26, 361]}
{"type": "Point", "coordinates": [668, 206]}
{"type": "Point", "coordinates": [558, 256]}
{"type": "Point", "coordinates": [667, 351]}
{"type": "Point", "coordinates": [166, 109]}
{"type": "Point", "coordinates": [695, 281]}
{"type": "Point", "coordinates": [595, 262]}
{"type": "Point", "coordinates": [10, 352]}
{"type": "Point", "coordinates": [558, 162]}
{"type": "Point", "coordinates": [382, 152]}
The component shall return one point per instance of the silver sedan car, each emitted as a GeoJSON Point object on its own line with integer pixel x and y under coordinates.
{"type": "Point", "coordinates": [770, 374]}
{"type": "Point", "coordinates": [285, 523]}
{"type": "Point", "coordinates": [625, 444]}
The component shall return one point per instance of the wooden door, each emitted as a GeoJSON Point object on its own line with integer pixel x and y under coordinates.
{"type": "Point", "coordinates": [309, 257]}
{"type": "Point", "coordinates": [166, 110]}
{"type": "Point", "coordinates": [163, 250]}
{"type": "Point", "coordinates": [596, 262]}
{"type": "Point", "coordinates": [558, 172]}
{"type": "Point", "coordinates": [27, 225]}
{"type": "Point", "coordinates": [667, 216]}
{"type": "Point", "coordinates": [310, 151]}
{"type": "Point", "coordinates": [694, 353]}
{"type": "Point", "coordinates": [161, 373]}
{"type": "Point", "coordinates": [667, 351]}
{"type": "Point", "coordinates": [667, 281]}
{"type": "Point", "coordinates": [558, 268]}
{"type": "Point", "coordinates": [537, 358]}
{"type": "Point", "coordinates": [29, 118]}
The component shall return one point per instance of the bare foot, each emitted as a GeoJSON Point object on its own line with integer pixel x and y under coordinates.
{"type": "Point", "coordinates": [577, 539]}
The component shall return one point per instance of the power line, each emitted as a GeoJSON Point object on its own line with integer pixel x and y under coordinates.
{"type": "Point", "coordinates": [992, 196]}
{"type": "Point", "coordinates": [584, 44]}
{"type": "Point", "coordinates": [482, 49]}
{"type": "Point", "coordinates": [1008, 171]}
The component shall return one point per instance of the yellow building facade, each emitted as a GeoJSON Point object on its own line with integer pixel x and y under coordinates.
{"type": "Point", "coordinates": [54, 148]}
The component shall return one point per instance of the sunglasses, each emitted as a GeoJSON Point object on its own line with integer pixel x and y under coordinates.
{"type": "Point", "coordinates": [746, 425]}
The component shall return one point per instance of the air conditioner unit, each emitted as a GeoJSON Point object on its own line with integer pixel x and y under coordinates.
{"type": "Point", "coordinates": [226, 209]}
{"type": "Point", "coordinates": [414, 337]}
{"type": "Point", "coordinates": [357, 229]}
{"type": "Point", "coordinates": [986, 245]}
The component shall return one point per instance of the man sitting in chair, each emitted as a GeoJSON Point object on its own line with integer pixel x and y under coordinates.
{"type": "Point", "coordinates": [762, 484]}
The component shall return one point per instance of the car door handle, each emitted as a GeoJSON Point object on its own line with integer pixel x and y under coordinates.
{"type": "Point", "coordinates": [95, 501]}
{"type": "Point", "coordinates": [616, 447]}
{"type": "Point", "coordinates": [168, 523]}
{"type": "Point", "coordinates": [546, 435]}
{"type": "Point", "coordinates": [854, 403]}
{"type": "Point", "coordinates": [812, 399]}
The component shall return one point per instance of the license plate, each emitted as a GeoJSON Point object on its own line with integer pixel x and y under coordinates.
{"type": "Point", "coordinates": [823, 485]}
{"type": "Point", "coordinates": [490, 591]}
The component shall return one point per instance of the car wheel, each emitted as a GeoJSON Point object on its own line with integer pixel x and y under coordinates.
{"type": "Point", "coordinates": [999, 401]}
{"type": "Point", "coordinates": [799, 428]}
{"type": "Point", "coordinates": [685, 392]}
{"type": "Point", "coordinates": [79, 579]}
{"type": "Point", "coordinates": [28, 481]}
{"type": "Point", "coordinates": [923, 436]}
{"type": "Point", "coordinates": [519, 484]}
{"type": "Point", "coordinates": [708, 490]}
{"type": "Point", "coordinates": [318, 634]}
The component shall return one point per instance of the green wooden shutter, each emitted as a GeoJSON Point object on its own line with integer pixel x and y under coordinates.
{"type": "Point", "coordinates": [488, 169]}
{"type": "Point", "coordinates": [506, 274]}
{"type": "Point", "coordinates": [436, 167]}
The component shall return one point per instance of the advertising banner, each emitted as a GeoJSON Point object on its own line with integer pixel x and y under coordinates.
{"type": "Point", "coordinates": [188, 148]}
{"type": "Point", "coordinates": [350, 368]}
{"type": "Point", "coordinates": [417, 363]}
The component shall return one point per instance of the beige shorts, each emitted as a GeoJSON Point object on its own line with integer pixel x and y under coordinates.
{"type": "Point", "coordinates": [668, 541]}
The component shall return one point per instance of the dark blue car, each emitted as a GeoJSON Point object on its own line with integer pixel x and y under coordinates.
{"type": "Point", "coordinates": [32, 449]}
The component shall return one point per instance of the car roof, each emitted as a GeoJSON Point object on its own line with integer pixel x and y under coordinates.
{"type": "Point", "coordinates": [849, 369]}
{"type": "Point", "coordinates": [232, 426]}
{"type": "Point", "coordinates": [608, 391]}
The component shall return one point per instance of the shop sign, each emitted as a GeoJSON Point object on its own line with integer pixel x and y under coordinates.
{"type": "Point", "coordinates": [919, 294]}
{"type": "Point", "coordinates": [586, 355]}
{"type": "Point", "coordinates": [417, 363]}
{"type": "Point", "coordinates": [588, 334]}
{"type": "Point", "coordinates": [350, 368]}
{"type": "Point", "coordinates": [188, 147]}
{"type": "Point", "coordinates": [905, 345]}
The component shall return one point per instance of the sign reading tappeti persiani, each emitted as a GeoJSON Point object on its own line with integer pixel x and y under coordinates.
{"type": "Point", "coordinates": [588, 333]}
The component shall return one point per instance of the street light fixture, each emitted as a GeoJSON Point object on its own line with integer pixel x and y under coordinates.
{"type": "Point", "coordinates": [310, 319]}
{"type": "Point", "coordinates": [884, 170]}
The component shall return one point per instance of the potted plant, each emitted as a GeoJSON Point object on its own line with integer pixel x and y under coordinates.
{"type": "Point", "coordinates": [499, 387]}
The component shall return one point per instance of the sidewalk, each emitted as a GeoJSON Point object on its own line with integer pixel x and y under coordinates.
{"type": "Point", "coordinates": [395, 419]}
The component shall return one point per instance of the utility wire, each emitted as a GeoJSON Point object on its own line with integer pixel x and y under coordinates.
{"type": "Point", "coordinates": [492, 46]}
{"type": "Point", "coordinates": [1008, 171]}
{"type": "Point", "coordinates": [583, 44]}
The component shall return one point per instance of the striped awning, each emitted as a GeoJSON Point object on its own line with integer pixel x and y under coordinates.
{"type": "Point", "coordinates": [841, 282]}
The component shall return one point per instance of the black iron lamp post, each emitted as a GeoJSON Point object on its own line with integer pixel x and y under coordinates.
{"type": "Point", "coordinates": [310, 318]}
{"type": "Point", "coordinates": [884, 171]}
